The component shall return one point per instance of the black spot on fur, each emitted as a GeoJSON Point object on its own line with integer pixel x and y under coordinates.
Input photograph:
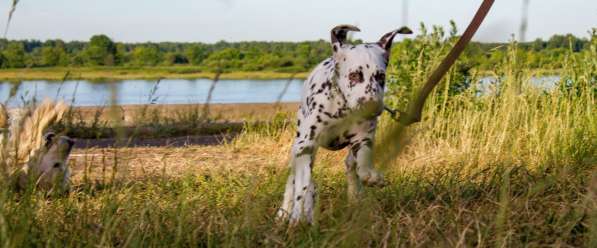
{"type": "Point", "coordinates": [355, 149]}
{"type": "Point", "coordinates": [326, 84]}
{"type": "Point", "coordinates": [337, 144]}
{"type": "Point", "coordinates": [380, 78]}
{"type": "Point", "coordinates": [348, 135]}
{"type": "Point", "coordinates": [368, 88]}
{"type": "Point", "coordinates": [312, 133]}
{"type": "Point", "coordinates": [367, 142]}
{"type": "Point", "coordinates": [304, 151]}
{"type": "Point", "coordinates": [340, 113]}
{"type": "Point", "coordinates": [361, 100]}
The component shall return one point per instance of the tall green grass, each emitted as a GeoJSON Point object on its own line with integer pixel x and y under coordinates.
{"type": "Point", "coordinates": [514, 167]}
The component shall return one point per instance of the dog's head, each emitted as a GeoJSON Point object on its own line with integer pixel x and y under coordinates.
{"type": "Point", "coordinates": [50, 169]}
{"type": "Point", "coordinates": [361, 69]}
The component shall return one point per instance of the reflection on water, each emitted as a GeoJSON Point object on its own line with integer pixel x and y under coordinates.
{"type": "Point", "coordinates": [177, 91]}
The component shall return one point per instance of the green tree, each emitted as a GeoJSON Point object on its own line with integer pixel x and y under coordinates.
{"type": "Point", "coordinates": [227, 58]}
{"type": "Point", "coordinates": [2, 61]}
{"type": "Point", "coordinates": [14, 55]}
{"type": "Point", "coordinates": [122, 54]}
{"type": "Point", "coordinates": [54, 54]}
{"type": "Point", "coordinates": [196, 53]}
{"type": "Point", "coordinates": [101, 50]}
{"type": "Point", "coordinates": [538, 45]}
{"type": "Point", "coordinates": [146, 55]}
{"type": "Point", "coordinates": [172, 58]}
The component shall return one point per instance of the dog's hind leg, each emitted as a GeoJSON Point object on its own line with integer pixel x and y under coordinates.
{"type": "Point", "coordinates": [354, 185]}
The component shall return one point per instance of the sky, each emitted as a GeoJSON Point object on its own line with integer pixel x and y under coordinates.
{"type": "Point", "coordinates": [282, 20]}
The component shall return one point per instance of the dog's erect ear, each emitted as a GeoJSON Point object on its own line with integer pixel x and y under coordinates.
{"type": "Point", "coordinates": [386, 41]}
{"type": "Point", "coordinates": [65, 146]}
{"type": "Point", "coordinates": [339, 34]}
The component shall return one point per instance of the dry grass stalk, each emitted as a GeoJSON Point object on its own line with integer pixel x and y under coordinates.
{"type": "Point", "coordinates": [26, 129]}
{"type": "Point", "coordinates": [3, 117]}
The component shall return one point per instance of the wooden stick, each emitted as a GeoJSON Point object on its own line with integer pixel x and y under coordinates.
{"type": "Point", "coordinates": [415, 109]}
{"type": "Point", "coordinates": [393, 140]}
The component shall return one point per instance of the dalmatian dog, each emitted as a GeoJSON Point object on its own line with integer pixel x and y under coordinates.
{"type": "Point", "coordinates": [341, 101]}
{"type": "Point", "coordinates": [49, 169]}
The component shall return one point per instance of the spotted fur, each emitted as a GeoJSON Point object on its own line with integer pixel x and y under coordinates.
{"type": "Point", "coordinates": [340, 103]}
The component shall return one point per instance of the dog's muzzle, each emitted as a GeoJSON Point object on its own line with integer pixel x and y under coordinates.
{"type": "Point", "coordinates": [369, 108]}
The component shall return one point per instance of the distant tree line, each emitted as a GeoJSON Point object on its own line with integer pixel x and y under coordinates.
{"type": "Point", "coordinates": [100, 50]}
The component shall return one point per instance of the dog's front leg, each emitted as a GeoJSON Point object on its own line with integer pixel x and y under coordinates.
{"type": "Point", "coordinates": [362, 150]}
{"type": "Point", "coordinates": [304, 188]}
{"type": "Point", "coordinates": [287, 203]}
{"type": "Point", "coordinates": [299, 197]}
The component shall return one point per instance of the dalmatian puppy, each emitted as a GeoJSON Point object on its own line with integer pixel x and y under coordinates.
{"type": "Point", "coordinates": [340, 103]}
{"type": "Point", "coordinates": [42, 159]}
{"type": "Point", "coordinates": [49, 168]}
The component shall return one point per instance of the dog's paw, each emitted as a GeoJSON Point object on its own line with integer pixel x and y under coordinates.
{"type": "Point", "coordinates": [371, 178]}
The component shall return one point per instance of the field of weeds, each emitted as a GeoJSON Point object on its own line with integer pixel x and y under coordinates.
{"type": "Point", "coordinates": [513, 166]}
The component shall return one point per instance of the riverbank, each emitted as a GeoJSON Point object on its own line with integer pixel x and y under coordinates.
{"type": "Point", "coordinates": [166, 122]}
{"type": "Point", "coordinates": [166, 72]}
{"type": "Point", "coordinates": [235, 112]}
{"type": "Point", "coordinates": [123, 73]}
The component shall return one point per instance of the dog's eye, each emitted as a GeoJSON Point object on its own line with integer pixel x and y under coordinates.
{"type": "Point", "coordinates": [56, 165]}
{"type": "Point", "coordinates": [356, 77]}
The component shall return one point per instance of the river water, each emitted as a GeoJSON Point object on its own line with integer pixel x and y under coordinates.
{"type": "Point", "coordinates": [172, 91]}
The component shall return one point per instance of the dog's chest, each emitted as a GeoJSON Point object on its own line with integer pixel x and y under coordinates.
{"type": "Point", "coordinates": [321, 97]}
